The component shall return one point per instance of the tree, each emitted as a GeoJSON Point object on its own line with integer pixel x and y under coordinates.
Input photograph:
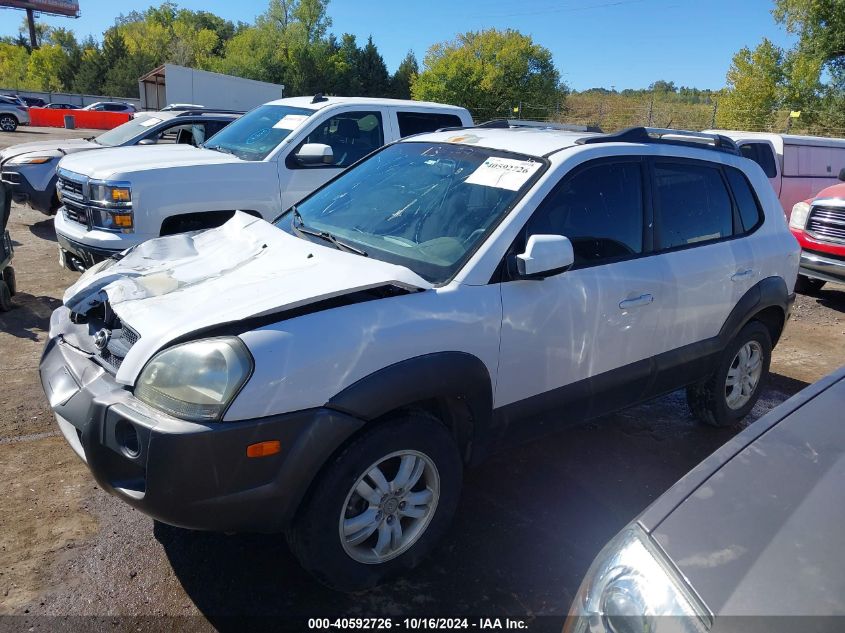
{"type": "Point", "coordinates": [14, 61]}
{"type": "Point", "coordinates": [89, 78]}
{"type": "Point", "coordinates": [400, 82]}
{"type": "Point", "coordinates": [755, 80]}
{"type": "Point", "coordinates": [490, 72]}
{"type": "Point", "coordinates": [372, 72]}
{"type": "Point", "coordinates": [46, 66]}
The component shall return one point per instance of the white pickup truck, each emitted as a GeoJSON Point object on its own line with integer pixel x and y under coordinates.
{"type": "Point", "coordinates": [261, 164]}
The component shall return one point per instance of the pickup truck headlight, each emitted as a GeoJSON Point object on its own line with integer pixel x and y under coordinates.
{"type": "Point", "coordinates": [111, 194]}
{"type": "Point", "coordinates": [29, 159]}
{"type": "Point", "coordinates": [196, 381]}
{"type": "Point", "coordinates": [798, 217]}
{"type": "Point", "coordinates": [114, 219]}
{"type": "Point", "coordinates": [631, 587]}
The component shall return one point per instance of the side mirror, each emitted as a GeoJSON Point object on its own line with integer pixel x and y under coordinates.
{"type": "Point", "coordinates": [312, 154]}
{"type": "Point", "coordinates": [544, 256]}
{"type": "Point", "coordinates": [147, 141]}
{"type": "Point", "coordinates": [842, 174]}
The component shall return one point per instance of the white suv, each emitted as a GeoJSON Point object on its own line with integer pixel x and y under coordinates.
{"type": "Point", "coordinates": [331, 374]}
{"type": "Point", "coordinates": [263, 163]}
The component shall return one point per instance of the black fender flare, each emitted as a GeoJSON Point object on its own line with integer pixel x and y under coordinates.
{"type": "Point", "coordinates": [457, 378]}
{"type": "Point", "coordinates": [767, 293]}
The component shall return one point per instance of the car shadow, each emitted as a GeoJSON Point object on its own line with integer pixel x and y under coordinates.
{"type": "Point", "coordinates": [29, 317]}
{"type": "Point", "coordinates": [45, 229]}
{"type": "Point", "coordinates": [531, 520]}
{"type": "Point", "coordinates": [831, 297]}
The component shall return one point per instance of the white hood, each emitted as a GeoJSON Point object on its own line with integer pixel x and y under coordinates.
{"type": "Point", "coordinates": [172, 286]}
{"type": "Point", "coordinates": [117, 160]}
{"type": "Point", "coordinates": [57, 148]}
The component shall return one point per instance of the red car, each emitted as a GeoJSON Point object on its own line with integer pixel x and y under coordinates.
{"type": "Point", "coordinates": [819, 226]}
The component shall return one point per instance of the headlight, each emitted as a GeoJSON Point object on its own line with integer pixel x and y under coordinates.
{"type": "Point", "coordinates": [111, 194]}
{"type": "Point", "coordinates": [27, 159]}
{"type": "Point", "coordinates": [114, 219]}
{"type": "Point", "coordinates": [196, 381]}
{"type": "Point", "coordinates": [631, 588]}
{"type": "Point", "coordinates": [798, 217]}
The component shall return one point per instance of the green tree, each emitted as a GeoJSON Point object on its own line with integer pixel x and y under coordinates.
{"type": "Point", "coordinates": [372, 72]}
{"type": "Point", "coordinates": [755, 80]}
{"type": "Point", "coordinates": [400, 82]}
{"type": "Point", "coordinates": [89, 77]}
{"type": "Point", "coordinates": [14, 62]}
{"type": "Point", "coordinates": [490, 72]}
{"type": "Point", "coordinates": [46, 67]}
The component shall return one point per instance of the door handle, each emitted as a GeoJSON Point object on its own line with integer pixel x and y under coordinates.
{"type": "Point", "coordinates": [742, 274]}
{"type": "Point", "coordinates": [636, 302]}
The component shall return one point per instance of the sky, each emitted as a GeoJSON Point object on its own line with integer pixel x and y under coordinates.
{"type": "Point", "coordinates": [595, 43]}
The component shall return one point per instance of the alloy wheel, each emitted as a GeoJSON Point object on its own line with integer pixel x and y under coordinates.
{"type": "Point", "coordinates": [744, 375]}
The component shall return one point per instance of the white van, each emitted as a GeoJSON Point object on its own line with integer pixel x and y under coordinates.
{"type": "Point", "coordinates": [797, 166]}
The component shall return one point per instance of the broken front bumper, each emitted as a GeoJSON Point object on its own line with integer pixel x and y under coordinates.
{"type": "Point", "coordinates": [183, 473]}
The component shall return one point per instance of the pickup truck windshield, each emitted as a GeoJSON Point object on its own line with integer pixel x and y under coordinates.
{"type": "Point", "coordinates": [258, 132]}
{"type": "Point", "coordinates": [425, 206]}
{"type": "Point", "coordinates": [126, 132]}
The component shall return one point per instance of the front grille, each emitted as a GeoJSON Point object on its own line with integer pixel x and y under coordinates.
{"type": "Point", "coordinates": [827, 224]}
{"type": "Point", "coordinates": [71, 188]}
{"type": "Point", "coordinates": [123, 338]}
{"type": "Point", "coordinates": [76, 213]}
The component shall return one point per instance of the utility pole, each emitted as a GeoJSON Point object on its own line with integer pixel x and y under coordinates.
{"type": "Point", "coordinates": [30, 18]}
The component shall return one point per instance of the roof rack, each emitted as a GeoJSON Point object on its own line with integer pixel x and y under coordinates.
{"type": "Point", "coordinates": [196, 111]}
{"type": "Point", "coordinates": [522, 123]}
{"type": "Point", "coordinates": [717, 142]}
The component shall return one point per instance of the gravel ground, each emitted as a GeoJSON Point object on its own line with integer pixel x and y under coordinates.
{"type": "Point", "coordinates": [529, 523]}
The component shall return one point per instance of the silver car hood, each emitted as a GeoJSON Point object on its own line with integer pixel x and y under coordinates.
{"type": "Point", "coordinates": [172, 286]}
{"type": "Point", "coordinates": [68, 146]}
{"type": "Point", "coordinates": [763, 533]}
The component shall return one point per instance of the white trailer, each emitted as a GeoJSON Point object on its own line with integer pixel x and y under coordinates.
{"type": "Point", "coordinates": [176, 84]}
{"type": "Point", "coordinates": [797, 166]}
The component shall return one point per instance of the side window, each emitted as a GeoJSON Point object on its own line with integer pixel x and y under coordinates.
{"type": "Point", "coordinates": [761, 153]}
{"type": "Point", "coordinates": [418, 122]}
{"type": "Point", "coordinates": [184, 134]}
{"type": "Point", "coordinates": [600, 210]}
{"type": "Point", "coordinates": [749, 208]}
{"type": "Point", "coordinates": [351, 135]}
{"type": "Point", "coordinates": [693, 204]}
{"type": "Point", "coordinates": [213, 127]}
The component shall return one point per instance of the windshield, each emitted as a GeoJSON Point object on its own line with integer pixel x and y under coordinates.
{"type": "Point", "coordinates": [126, 132]}
{"type": "Point", "coordinates": [258, 132]}
{"type": "Point", "coordinates": [425, 206]}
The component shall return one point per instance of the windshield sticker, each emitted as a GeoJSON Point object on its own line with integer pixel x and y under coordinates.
{"type": "Point", "coordinates": [503, 173]}
{"type": "Point", "coordinates": [291, 121]}
{"type": "Point", "coordinates": [464, 138]}
{"type": "Point", "coordinates": [148, 122]}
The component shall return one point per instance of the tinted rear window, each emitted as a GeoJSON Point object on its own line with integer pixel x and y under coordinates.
{"type": "Point", "coordinates": [749, 209]}
{"type": "Point", "coordinates": [694, 205]}
{"type": "Point", "coordinates": [761, 153]}
{"type": "Point", "coordinates": [418, 122]}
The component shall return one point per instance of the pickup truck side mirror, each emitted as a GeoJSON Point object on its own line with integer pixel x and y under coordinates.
{"type": "Point", "coordinates": [544, 256]}
{"type": "Point", "coordinates": [842, 174]}
{"type": "Point", "coordinates": [147, 141]}
{"type": "Point", "coordinates": [312, 154]}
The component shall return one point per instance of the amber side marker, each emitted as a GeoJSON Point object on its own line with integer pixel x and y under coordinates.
{"type": "Point", "coordinates": [263, 449]}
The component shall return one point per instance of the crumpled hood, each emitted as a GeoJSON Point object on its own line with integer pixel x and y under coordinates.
{"type": "Point", "coordinates": [117, 160]}
{"type": "Point", "coordinates": [68, 146]}
{"type": "Point", "coordinates": [171, 286]}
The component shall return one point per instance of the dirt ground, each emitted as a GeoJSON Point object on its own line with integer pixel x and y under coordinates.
{"type": "Point", "coordinates": [529, 524]}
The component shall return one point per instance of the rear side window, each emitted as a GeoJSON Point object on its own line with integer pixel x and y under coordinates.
{"type": "Point", "coordinates": [418, 122]}
{"type": "Point", "coordinates": [761, 153]}
{"type": "Point", "coordinates": [749, 209]}
{"type": "Point", "coordinates": [600, 210]}
{"type": "Point", "coordinates": [693, 203]}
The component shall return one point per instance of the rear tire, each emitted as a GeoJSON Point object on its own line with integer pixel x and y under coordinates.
{"type": "Point", "coordinates": [807, 285]}
{"type": "Point", "coordinates": [734, 388]}
{"type": "Point", "coordinates": [8, 123]}
{"type": "Point", "coordinates": [350, 556]}
{"type": "Point", "coordinates": [5, 297]}
{"type": "Point", "coordinates": [11, 280]}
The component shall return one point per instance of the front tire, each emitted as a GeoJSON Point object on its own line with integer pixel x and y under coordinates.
{"type": "Point", "coordinates": [8, 123]}
{"type": "Point", "coordinates": [5, 297]}
{"type": "Point", "coordinates": [380, 505]}
{"type": "Point", "coordinates": [734, 388]}
{"type": "Point", "coordinates": [11, 280]}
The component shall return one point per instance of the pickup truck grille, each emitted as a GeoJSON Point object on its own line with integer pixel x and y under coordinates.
{"type": "Point", "coordinates": [71, 188]}
{"type": "Point", "coordinates": [827, 224]}
{"type": "Point", "coordinates": [76, 213]}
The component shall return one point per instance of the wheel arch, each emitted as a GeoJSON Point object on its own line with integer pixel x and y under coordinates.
{"type": "Point", "coordinates": [768, 301]}
{"type": "Point", "coordinates": [455, 387]}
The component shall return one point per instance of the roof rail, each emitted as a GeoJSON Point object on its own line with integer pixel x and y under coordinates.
{"type": "Point", "coordinates": [717, 142]}
{"type": "Point", "coordinates": [517, 123]}
{"type": "Point", "coordinates": [196, 111]}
